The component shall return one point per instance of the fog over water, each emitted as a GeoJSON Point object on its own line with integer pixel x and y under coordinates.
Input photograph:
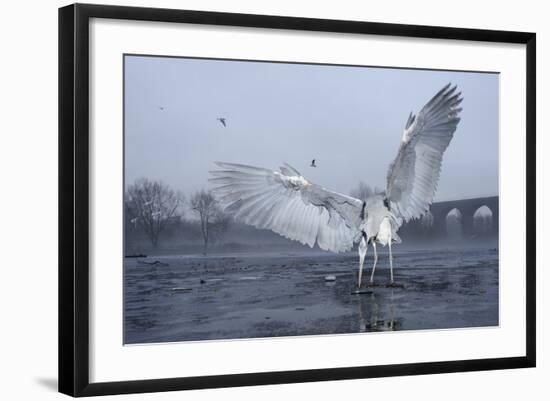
{"type": "Point", "coordinates": [350, 119]}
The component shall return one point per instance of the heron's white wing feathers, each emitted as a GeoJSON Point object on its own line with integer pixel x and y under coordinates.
{"type": "Point", "coordinates": [413, 176]}
{"type": "Point", "coordinates": [288, 204]}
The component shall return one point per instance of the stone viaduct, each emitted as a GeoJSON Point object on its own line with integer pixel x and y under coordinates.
{"type": "Point", "coordinates": [467, 209]}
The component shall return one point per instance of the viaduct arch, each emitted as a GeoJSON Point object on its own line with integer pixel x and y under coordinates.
{"type": "Point", "coordinates": [438, 218]}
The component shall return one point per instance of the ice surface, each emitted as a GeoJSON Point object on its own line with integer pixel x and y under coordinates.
{"type": "Point", "coordinates": [246, 296]}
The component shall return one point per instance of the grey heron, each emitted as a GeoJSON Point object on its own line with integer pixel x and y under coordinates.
{"type": "Point", "coordinates": [287, 203]}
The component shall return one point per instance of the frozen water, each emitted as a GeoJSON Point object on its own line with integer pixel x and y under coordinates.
{"type": "Point", "coordinates": [247, 296]}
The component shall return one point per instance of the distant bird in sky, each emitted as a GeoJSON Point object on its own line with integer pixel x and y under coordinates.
{"type": "Point", "coordinates": [222, 120]}
{"type": "Point", "coordinates": [290, 205]}
{"type": "Point", "coordinates": [161, 107]}
{"type": "Point", "coordinates": [313, 163]}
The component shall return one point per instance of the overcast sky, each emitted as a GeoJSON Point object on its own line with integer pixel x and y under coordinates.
{"type": "Point", "coordinates": [350, 119]}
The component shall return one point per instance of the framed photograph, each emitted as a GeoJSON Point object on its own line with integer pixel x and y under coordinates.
{"type": "Point", "coordinates": [251, 199]}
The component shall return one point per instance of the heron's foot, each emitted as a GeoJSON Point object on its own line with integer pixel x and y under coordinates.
{"type": "Point", "coordinates": [393, 284]}
{"type": "Point", "coordinates": [374, 285]}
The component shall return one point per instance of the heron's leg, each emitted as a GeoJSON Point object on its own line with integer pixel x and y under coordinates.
{"type": "Point", "coordinates": [375, 260]}
{"type": "Point", "coordinates": [361, 262]}
{"type": "Point", "coordinates": [391, 262]}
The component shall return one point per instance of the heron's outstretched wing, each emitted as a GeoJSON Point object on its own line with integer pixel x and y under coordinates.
{"type": "Point", "coordinates": [288, 204]}
{"type": "Point", "coordinates": [412, 177]}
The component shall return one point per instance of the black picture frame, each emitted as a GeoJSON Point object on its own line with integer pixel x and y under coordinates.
{"type": "Point", "coordinates": [74, 198]}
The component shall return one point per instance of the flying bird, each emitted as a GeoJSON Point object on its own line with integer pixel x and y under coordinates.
{"type": "Point", "coordinates": [161, 107]}
{"type": "Point", "coordinates": [222, 120]}
{"type": "Point", "coordinates": [287, 203]}
{"type": "Point", "coordinates": [313, 163]}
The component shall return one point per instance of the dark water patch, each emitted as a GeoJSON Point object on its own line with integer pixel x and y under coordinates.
{"type": "Point", "coordinates": [260, 296]}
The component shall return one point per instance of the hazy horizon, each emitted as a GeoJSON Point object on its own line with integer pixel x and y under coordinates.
{"type": "Point", "coordinates": [350, 119]}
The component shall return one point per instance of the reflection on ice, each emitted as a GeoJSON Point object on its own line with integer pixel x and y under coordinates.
{"type": "Point", "coordinates": [247, 296]}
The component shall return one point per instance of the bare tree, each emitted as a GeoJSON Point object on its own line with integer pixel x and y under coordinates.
{"type": "Point", "coordinates": [363, 191]}
{"type": "Point", "coordinates": [427, 221]}
{"type": "Point", "coordinates": [220, 225]}
{"type": "Point", "coordinates": [130, 227]}
{"type": "Point", "coordinates": [213, 221]}
{"type": "Point", "coordinates": [151, 205]}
